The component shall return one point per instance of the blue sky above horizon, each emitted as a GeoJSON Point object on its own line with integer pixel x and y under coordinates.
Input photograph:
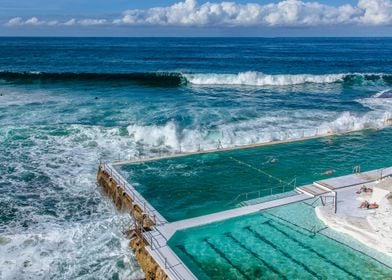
{"type": "Point", "coordinates": [196, 18]}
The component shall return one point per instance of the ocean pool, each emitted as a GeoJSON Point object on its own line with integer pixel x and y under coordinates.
{"type": "Point", "coordinates": [195, 185]}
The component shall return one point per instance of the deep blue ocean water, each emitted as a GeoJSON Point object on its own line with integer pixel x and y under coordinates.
{"type": "Point", "coordinates": [65, 103]}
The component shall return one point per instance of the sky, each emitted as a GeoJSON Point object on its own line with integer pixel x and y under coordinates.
{"type": "Point", "coordinates": [268, 18]}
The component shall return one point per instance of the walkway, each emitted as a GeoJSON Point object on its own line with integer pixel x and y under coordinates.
{"type": "Point", "coordinates": [355, 179]}
{"type": "Point", "coordinates": [170, 228]}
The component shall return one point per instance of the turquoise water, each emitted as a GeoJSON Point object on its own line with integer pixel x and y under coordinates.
{"type": "Point", "coordinates": [276, 244]}
{"type": "Point", "coordinates": [195, 185]}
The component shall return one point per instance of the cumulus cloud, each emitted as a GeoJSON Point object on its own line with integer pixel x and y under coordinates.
{"type": "Point", "coordinates": [283, 13]}
{"type": "Point", "coordinates": [232, 14]}
{"type": "Point", "coordinates": [375, 11]}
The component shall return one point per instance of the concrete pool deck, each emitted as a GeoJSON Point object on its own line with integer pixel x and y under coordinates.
{"type": "Point", "coordinates": [169, 229]}
{"type": "Point", "coordinates": [372, 227]}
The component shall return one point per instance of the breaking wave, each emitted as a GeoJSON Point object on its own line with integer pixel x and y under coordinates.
{"type": "Point", "coordinates": [175, 79]}
{"type": "Point", "coordinates": [170, 137]}
{"type": "Point", "coordinates": [261, 79]}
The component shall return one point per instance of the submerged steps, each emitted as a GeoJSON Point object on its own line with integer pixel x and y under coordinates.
{"type": "Point", "coordinates": [309, 248]}
{"type": "Point", "coordinates": [265, 263]}
{"type": "Point", "coordinates": [284, 253]}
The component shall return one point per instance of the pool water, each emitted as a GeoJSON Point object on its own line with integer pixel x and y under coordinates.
{"type": "Point", "coordinates": [282, 243]}
{"type": "Point", "coordinates": [196, 185]}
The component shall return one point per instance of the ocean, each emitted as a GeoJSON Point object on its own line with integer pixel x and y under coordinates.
{"type": "Point", "coordinates": [66, 103]}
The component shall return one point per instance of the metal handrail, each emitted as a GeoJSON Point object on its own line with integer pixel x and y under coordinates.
{"type": "Point", "coordinates": [259, 192]}
{"type": "Point", "coordinates": [151, 238]}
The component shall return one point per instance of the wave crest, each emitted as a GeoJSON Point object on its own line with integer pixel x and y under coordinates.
{"type": "Point", "coordinates": [260, 79]}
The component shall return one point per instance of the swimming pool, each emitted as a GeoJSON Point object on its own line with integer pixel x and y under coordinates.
{"type": "Point", "coordinates": [282, 243]}
{"type": "Point", "coordinates": [195, 185]}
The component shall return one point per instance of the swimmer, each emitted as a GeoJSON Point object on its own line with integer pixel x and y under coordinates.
{"type": "Point", "coordinates": [328, 172]}
{"type": "Point", "coordinates": [274, 160]}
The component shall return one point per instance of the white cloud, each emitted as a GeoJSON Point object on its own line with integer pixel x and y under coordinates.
{"type": "Point", "coordinates": [231, 14]}
{"type": "Point", "coordinates": [283, 13]}
{"type": "Point", "coordinates": [376, 11]}
{"type": "Point", "coordinates": [34, 21]}
{"type": "Point", "coordinates": [70, 22]}
{"type": "Point", "coordinates": [15, 22]}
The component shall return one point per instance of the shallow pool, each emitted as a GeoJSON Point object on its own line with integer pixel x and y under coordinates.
{"type": "Point", "coordinates": [283, 243]}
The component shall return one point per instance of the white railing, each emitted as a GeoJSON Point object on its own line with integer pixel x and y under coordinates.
{"type": "Point", "coordinates": [264, 193]}
{"type": "Point", "coordinates": [286, 187]}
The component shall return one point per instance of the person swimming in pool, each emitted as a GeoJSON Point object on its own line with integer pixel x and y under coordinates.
{"type": "Point", "coordinates": [328, 172]}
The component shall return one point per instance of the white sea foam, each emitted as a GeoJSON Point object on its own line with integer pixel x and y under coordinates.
{"type": "Point", "coordinates": [252, 78]}
{"type": "Point", "coordinates": [73, 251]}
{"type": "Point", "coordinates": [379, 102]}
{"type": "Point", "coordinates": [384, 94]}
{"type": "Point", "coordinates": [84, 238]}
{"type": "Point", "coordinates": [10, 97]}
{"type": "Point", "coordinates": [154, 135]}
{"type": "Point", "coordinates": [283, 126]}
{"type": "Point", "coordinates": [82, 235]}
